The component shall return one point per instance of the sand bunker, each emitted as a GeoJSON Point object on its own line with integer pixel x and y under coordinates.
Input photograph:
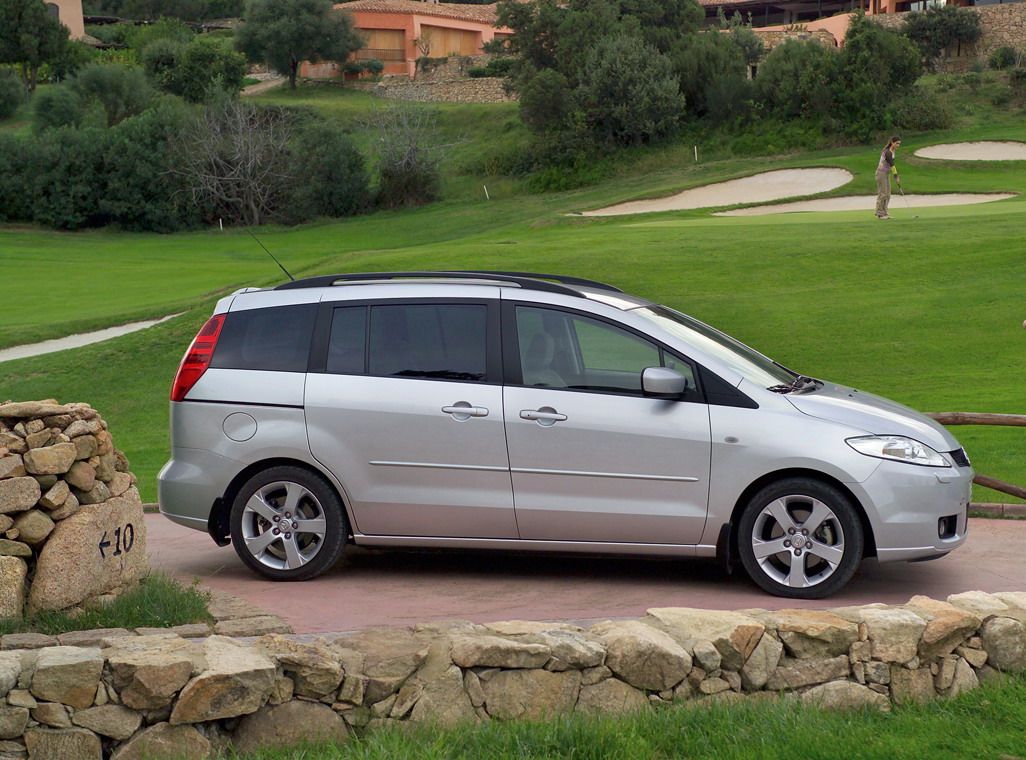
{"type": "Point", "coordinates": [976, 151]}
{"type": "Point", "coordinates": [868, 203]}
{"type": "Point", "coordinates": [768, 186]}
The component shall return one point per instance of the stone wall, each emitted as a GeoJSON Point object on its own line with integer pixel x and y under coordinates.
{"type": "Point", "coordinates": [481, 90]}
{"type": "Point", "coordinates": [70, 515]}
{"type": "Point", "coordinates": [775, 38]}
{"type": "Point", "coordinates": [1001, 26]}
{"type": "Point", "coordinates": [166, 696]}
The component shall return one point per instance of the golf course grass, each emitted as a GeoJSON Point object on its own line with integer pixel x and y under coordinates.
{"type": "Point", "coordinates": [925, 310]}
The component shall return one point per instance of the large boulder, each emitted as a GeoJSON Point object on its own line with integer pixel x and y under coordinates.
{"type": "Point", "coordinates": [100, 549]}
{"type": "Point", "coordinates": [483, 650]}
{"type": "Point", "coordinates": [13, 721]}
{"type": "Point", "coordinates": [911, 685]}
{"type": "Point", "coordinates": [148, 671]}
{"type": "Point", "coordinates": [33, 527]}
{"type": "Point", "coordinates": [314, 668]}
{"type": "Point", "coordinates": [50, 460]}
{"type": "Point", "coordinates": [894, 632]}
{"type": "Point", "coordinates": [980, 603]}
{"type": "Point", "coordinates": [643, 656]}
{"type": "Point", "coordinates": [761, 663]}
{"type": "Point", "coordinates": [165, 741]}
{"type": "Point", "coordinates": [13, 572]}
{"type": "Point", "coordinates": [845, 695]}
{"type": "Point", "coordinates": [735, 635]}
{"type": "Point", "coordinates": [63, 744]}
{"type": "Point", "coordinates": [114, 721]}
{"type": "Point", "coordinates": [287, 725]}
{"type": "Point", "coordinates": [814, 633]}
{"type": "Point", "coordinates": [436, 690]}
{"type": "Point", "coordinates": [386, 657]}
{"type": "Point", "coordinates": [68, 675]}
{"type": "Point", "coordinates": [1004, 638]}
{"type": "Point", "coordinates": [794, 674]}
{"type": "Point", "coordinates": [611, 696]}
{"type": "Point", "coordinates": [18, 494]}
{"type": "Point", "coordinates": [947, 626]}
{"type": "Point", "coordinates": [10, 670]}
{"type": "Point", "coordinates": [238, 680]}
{"type": "Point", "coordinates": [531, 694]}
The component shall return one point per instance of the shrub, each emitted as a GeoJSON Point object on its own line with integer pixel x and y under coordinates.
{"type": "Point", "coordinates": [141, 192]}
{"type": "Point", "coordinates": [798, 80]}
{"type": "Point", "coordinates": [496, 67]}
{"type": "Point", "coordinates": [409, 156]}
{"type": "Point", "coordinates": [12, 93]}
{"type": "Point", "coordinates": [545, 101]}
{"type": "Point", "coordinates": [160, 60]}
{"type": "Point", "coordinates": [331, 176]}
{"type": "Point", "coordinates": [935, 29]}
{"type": "Point", "coordinates": [56, 106]}
{"type": "Point", "coordinates": [700, 60]}
{"type": "Point", "coordinates": [15, 193]}
{"type": "Point", "coordinates": [66, 177]}
{"type": "Point", "coordinates": [171, 29]}
{"type": "Point", "coordinates": [352, 67]}
{"type": "Point", "coordinates": [1017, 79]}
{"type": "Point", "coordinates": [920, 110]}
{"type": "Point", "coordinates": [208, 63]}
{"type": "Point", "coordinates": [373, 66]}
{"type": "Point", "coordinates": [1003, 58]}
{"type": "Point", "coordinates": [632, 95]}
{"type": "Point", "coordinates": [122, 91]}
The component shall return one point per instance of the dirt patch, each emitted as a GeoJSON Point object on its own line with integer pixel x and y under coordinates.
{"type": "Point", "coordinates": [976, 151]}
{"type": "Point", "coordinates": [868, 203]}
{"type": "Point", "coordinates": [767, 186]}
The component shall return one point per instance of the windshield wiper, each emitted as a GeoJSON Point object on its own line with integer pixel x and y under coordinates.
{"type": "Point", "coordinates": [800, 384]}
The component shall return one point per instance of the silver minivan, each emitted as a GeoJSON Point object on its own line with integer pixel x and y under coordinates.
{"type": "Point", "coordinates": [520, 411]}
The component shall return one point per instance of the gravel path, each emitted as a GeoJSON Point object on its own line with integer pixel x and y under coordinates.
{"type": "Point", "coordinates": [78, 340]}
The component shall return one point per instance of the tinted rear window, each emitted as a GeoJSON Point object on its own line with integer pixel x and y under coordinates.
{"type": "Point", "coordinates": [440, 341]}
{"type": "Point", "coordinates": [275, 339]}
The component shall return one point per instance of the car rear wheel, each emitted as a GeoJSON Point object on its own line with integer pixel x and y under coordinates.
{"type": "Point", "coordinates": [800, 538]}
{"type": "Point", "coordinates": [288, 524]}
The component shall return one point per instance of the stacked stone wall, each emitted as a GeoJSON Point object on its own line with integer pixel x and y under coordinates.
{"type": "Point", "coordinates": [773, 39]}
{"type": "Point", "coordinates": [166, 696]}
{"type": "Point", "coordinates": [71, 526]}
{"type": "Point", "coordinates": [1000, 26]}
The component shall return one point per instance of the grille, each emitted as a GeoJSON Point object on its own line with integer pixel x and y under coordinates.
{"type": "Point", "coordinates": [959, 457]}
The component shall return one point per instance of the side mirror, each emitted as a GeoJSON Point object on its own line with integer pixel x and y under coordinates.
{"type": "Point", "coordinates": [663, 382]}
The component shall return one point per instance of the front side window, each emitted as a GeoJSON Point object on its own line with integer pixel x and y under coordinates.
{"type": "Point", "coordinates": [563, 350]}
{"type": "Point", "coordinates": [437, 341]}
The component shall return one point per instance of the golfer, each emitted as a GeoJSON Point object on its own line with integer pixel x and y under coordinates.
{"type": "Point", "coordinates": [884, 170]}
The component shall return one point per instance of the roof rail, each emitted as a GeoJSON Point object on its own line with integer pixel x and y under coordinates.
{"type": "Point", "coordinates": [521, 279]}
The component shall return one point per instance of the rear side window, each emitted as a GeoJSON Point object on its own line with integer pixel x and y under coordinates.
{"type": "Point", "coordinates": [276, 339]}
{"type": "Point", "coordinates": [439, 341]}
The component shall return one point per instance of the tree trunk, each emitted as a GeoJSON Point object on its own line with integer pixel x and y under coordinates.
{"type": "Point", "coordinates": [293, 71]}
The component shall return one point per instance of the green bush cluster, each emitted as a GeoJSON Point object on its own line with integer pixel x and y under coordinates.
{"type": "Point", "coordinates": [1005, 58]}
{"type": "Point", "coordinates": [496, 67]}
{"type": "Point", "coordinates": [196, 68]}
{"type": "Point", "coordinates": [371, 66]}
{"type": "Point", "coordinates": [12, 93]}
{"type": "Point", "coordinates": [99, 95]}
{"type": "Point", "coordinates": [143, 10]}
{"type": "Point", "coordinates": [936, 29]}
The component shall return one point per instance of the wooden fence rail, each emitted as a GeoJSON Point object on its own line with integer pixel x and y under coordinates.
{"type": "Point", "coordinates": [983, 418]}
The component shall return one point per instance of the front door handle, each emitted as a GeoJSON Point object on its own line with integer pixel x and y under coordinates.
{"type": "Point", "coordinates": [462, 411]}
{"type": "Point", "coordinates": [546, 415]}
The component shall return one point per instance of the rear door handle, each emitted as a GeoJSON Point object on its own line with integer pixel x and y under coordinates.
{"type": "Point", "coordinates": [545, 416]}
{"type": "Point", "coordinates": [462, 411]}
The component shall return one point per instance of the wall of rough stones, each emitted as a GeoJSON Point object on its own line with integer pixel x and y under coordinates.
{"type": "Point", "coordinates": [70, 515]}
{"type": "Point", "coordinates": [163, 695]}
{"type": "Point", "coordinates": [1001, 26]}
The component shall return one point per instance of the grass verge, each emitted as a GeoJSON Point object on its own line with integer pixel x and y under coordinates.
{"type": "Point", "coordinates": [986, 723]}
{"type": "Point", "coordinates": [158, 602]}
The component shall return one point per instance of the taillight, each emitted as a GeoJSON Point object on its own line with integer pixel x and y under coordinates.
{"type": "Point", "coordinates": [197, 358]}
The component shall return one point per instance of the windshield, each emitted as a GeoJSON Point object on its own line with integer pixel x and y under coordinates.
{"type": "Point", "coordinates": [749, 364]}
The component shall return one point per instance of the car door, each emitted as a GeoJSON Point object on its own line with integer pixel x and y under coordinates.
{"type": "Point", "coordinates": [405, 408]}
{"type": "Point", "coordinates": [591, 458]}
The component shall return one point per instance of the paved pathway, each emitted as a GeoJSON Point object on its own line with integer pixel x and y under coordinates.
{"type": "Point", "coordinates": [377, 588]}
{"type": "Point", "coordinates": [79, 339]}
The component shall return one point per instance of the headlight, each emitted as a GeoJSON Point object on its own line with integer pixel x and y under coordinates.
{"type": "Point", "coordinates": [899, 448]}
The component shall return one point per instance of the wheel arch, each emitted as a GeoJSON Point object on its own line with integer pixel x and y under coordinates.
{"type": "Point", "coordinates": [218, 523]}
{"type": "Point", "coordinates": [731, 547]}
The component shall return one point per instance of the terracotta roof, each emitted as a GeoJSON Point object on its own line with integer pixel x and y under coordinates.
{"type": "Point", "coordinates": [484, 14]}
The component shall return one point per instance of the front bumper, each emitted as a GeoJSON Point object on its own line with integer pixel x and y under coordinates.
{"type": "Point", "coordinates": [905, 504]}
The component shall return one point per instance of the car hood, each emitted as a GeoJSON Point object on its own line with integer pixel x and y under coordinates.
{"type": "Point", "coordinates": [874, 414]}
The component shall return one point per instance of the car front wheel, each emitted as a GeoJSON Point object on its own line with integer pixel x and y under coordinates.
{"type": "Point", "coordinates": [288, 524]}
{"type": "Point", "coordinates": [800, 538]}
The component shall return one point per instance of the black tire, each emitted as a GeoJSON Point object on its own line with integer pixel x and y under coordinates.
{"type": "Point", "coordinates": [314, 499]}
{"type": "Point", "coordinates": [839, 537]}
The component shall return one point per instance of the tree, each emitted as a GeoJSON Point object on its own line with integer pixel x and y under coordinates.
{"type": "Point", "coordinates": [936, 29]}
{"type": "Point", "coordinates": [798, 80]}
{"type": "Point", "coordinates": [284, 33]}
{"type": "Point", "coordinates": [30, 37]}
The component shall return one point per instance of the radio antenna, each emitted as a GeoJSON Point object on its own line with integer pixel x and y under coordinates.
{"type": "Point", "coordinates": [293, 279]}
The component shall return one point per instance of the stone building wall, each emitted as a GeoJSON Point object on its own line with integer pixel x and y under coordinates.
{"type": "Point", "coordinates": [1001, 26]}
{"type": "Point", "coordinates": [775, 38]}
{"type": "Point", "coordinates": [164, 696]}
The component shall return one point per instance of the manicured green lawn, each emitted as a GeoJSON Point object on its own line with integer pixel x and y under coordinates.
{"type": "Point", "coordinates": [926, 310]}
{"type": "Point", "coordinates": [986, 723]}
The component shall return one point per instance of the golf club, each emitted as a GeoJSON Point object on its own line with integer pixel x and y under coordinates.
{"type": "Point", "coordinates": [902, 191]}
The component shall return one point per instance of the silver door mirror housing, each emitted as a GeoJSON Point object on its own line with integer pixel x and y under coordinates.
{"type": "Point", "coordinates": [663, 382]}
